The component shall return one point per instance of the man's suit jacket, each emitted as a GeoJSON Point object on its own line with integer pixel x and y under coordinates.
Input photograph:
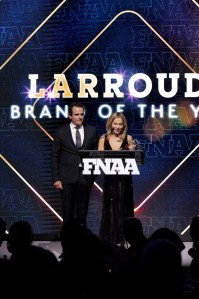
{"type": "Point", "coordinates": [65, 155]}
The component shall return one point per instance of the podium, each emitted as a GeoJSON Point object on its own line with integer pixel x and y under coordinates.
{"type": "Point", "coordinates": [138, 155]}
{"type": "Point", "coordinates": [111, 162]}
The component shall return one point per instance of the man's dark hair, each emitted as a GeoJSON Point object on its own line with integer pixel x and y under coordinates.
{"type": "Point", "coordinates": [75, 104]}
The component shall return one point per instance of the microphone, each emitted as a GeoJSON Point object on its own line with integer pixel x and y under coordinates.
{"type": "Point", "coordinates": [95, 140]}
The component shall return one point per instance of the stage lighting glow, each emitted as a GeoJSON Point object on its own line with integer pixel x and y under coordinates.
{"type": "Point", "coordinates": [98, 187]}
{"type": "Point", "coordinates": [98, 35]}
{"type": "Point", "coordinates": [169, 175]}
{"type": "Point", "coordinates": [85, 50]}
{"type": "Point", "coordinates": [38, 195]}
{"type": "Point", "coordinates": [186, 113]}
{"type": "Point", "coordinates": [156, 128]}
{"type": "Point", "coordinates": [32, 34]}
{"type": "Point", "coordinates": [50, 95]}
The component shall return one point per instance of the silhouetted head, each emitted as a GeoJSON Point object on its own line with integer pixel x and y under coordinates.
{"type": "Point", "coordinates": [79, 242]}
{"type": "Point", "coordinates": [132, 229]}
{"type": "Point", "coordinates": [20, 236]}
{"type": "Point", "coordinates": [194, 229]}
{"type": "Point", "coordinates": [168, 234]}
{"type": "Point", "coordinates": [161, 269]}
{"type": "Point", "coordinates": [2, 230]}
{"type": "Point", "coordinates": [72, 233]}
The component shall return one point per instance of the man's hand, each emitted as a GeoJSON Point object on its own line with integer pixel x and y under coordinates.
{"type": "Point", "coordinates": [58, 185]}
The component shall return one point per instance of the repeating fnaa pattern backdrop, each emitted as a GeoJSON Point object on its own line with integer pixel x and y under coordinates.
{"type": "Point", "coordinates": [154, 40]}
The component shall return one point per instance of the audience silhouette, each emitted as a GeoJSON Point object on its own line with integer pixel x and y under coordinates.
{"type": "Point", "coordinates": [89, 267]}
{"type": "Point", "coordinates": [168, 234]}
{"type": "Point", "coordinates": [134, 235]}
{"type": "Point", "coordinates": [82, 261]}
{"type": "Point", "coordinates": [127, 277]}
{"type": "Point", "coordinates": [191, 283]}
{"type": "Point", "coordinates": [4, 263]}
{"type": "Point", "coordinates": [30, 264]}
{"type": "Point", "coordinates": [161, 270]}
{"type": "Point", "coordinates": [2, 230]}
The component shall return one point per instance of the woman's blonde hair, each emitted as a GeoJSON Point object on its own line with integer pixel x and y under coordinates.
{"type": "Point", "coordinates": [111, 119]}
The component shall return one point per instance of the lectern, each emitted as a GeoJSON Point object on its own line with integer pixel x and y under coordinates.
{"type": "Point", "coordinates": [138, 155]}
{"type": "Point", "coordinates": [122, 162]}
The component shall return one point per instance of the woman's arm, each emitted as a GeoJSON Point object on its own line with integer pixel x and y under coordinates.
{"type": "Point", "coordinates": [101, 143]}
{"type": "Point", "coordinates": [131, 145]}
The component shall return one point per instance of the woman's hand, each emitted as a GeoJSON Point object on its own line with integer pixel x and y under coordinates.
{"type": "Point", "coordinates": [130, 146]}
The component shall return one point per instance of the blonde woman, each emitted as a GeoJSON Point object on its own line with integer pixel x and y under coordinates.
{"type": "Point", "coordinates": [117, 189]}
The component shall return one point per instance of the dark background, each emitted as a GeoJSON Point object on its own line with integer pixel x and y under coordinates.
{"type": "Point", "coordinates": [128, 46]}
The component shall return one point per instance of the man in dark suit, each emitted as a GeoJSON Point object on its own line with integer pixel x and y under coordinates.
{"type": "Point", "coordinates": [66, 163]}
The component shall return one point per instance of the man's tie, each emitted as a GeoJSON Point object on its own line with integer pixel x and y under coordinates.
{"type": "Point", "coordinates": [78, 138]}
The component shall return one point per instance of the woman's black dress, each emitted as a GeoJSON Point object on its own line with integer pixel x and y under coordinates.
{"type": "Point", "coordinates": [117, 203]}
